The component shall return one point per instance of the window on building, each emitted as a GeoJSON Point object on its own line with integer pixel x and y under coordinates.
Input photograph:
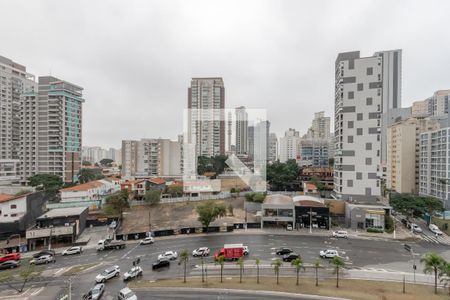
{"type": "Point", "coordinates": [359, 131]}
{"type": "Point", "coordinates": [350, 124]}
{"type": "Point", "coordinates": [358, 175]}
{"type": "Point", "coordinates": [351, 95]}
{"type": "Point", "coordinates": [369, 71]}
{"type": "Point", "coordinates": [359, 116]}
{"type": "Point", "coordinates": [360, 86]}
{"type": "Point", "coordinates": [368, 146]}
{"type": "Point", "coordinates": [13, 206]}
{"type": "Point", "coordinates": [368, 161]}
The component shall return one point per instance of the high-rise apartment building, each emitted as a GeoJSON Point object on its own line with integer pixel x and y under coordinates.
{"type": "Point", "coordinates": [320, 127]}
{"type": "Point", "coordinates": [273, 147]}
{"type": "Point", "coordinates": [402, 169]}
{"type": "Point", "coordinates": [365, 88]}
{"type": "Point", "coordinates": [60, 126]}
{"type": "Point", "coordinates": [241, 131]}
{"type": "Point", "coordinates": [261, 144]}
{"type": "Point", "coordinates": [290, 145]}
{"type": "Point", "coordinates": [206, 119]}
{"type": "Point", "coordinates": [151, 157]}
{"type": "Point", "coordinates": [314, 152]}
{"type": "Point", "coordinates": [435, 165]}
{"type": "Point", "coordinates": [251, 141]}
{"type": "Point", "coordinates": [436, 105]}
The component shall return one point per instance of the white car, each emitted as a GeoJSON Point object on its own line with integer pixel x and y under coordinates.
{"type": "Point", "coordinates": [108, 274]}
{"type": "Point", "coordinates": [73, 250]}
{"type": "Point", "coordinates": [127, 294]}
{"type": "Point", "coordinates": [434, 229]}
{"type": "Point", "coordinates": [202, 251]}
{"type": "Point", "coordinates": [340, 234]}
{"type": "Point", "coordinates": [416, 228]}
{"type": "Point", "coordinates": [170, 255]}
{"type": "Point", "coordinates": [289, 227]}
{"type": "Point", "coordinates": [246, 250]}
{"type": "Point", "coordinates": [330, 253]}
{"type": "Point", "coordinates": [147, 241]}
{"type": "Point", "coordinates": [113, 225]}
{"type": "Point", "coordinates": [132, 273]}
{"type": "Point", "coordinates": [44, 259]}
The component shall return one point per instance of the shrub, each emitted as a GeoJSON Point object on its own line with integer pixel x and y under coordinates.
{"type": "Point", "coordinates": [259, 197]}
{"type": "Point", "coordinates": [375, 230]}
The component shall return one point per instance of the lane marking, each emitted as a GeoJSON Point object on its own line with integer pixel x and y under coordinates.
{"type": "Point", "coordinates": [59, 271]}
{"type": "Point", "coordinates": [37, 291]}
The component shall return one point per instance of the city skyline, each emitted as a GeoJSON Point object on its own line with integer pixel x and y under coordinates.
{"type": "Point", "coordinates": [257, 74]}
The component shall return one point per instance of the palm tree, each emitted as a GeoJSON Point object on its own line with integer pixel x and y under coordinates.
{"type": "Point", "coordinates": [276, 267]}
{"type": "Point", "coordinates": [338, 263]}
{"type": "Point", "coordinates": [184, 257]}
{"type": "Point", "coordinates": [298, 264]}
{"type": "Point", "coordinates": [433, 263]}
{"type": "Point", "coordinates": [257, 262]}
{"type": "Point", "coordinates": [240, 263]}
{"type": "Point", "coordinates": [221, 261]}
{"type": "Point", "coordinates": [444, 274]}
{"type": "Point", "coordinates": [317, 266]}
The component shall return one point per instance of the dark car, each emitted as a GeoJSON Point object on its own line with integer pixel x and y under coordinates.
{"type": "Point", "coordinates": [161, 264]}
{"type": "Point", "coordinates": [404, 222]}
{"type": "Point", "coordinates": [283, 251]}
{"type": "Point", "coordinates": [10, 264]}
{"type": "Point", "coordinates": [44, 252]}
{"type": "Point", "coordinates": [290, 257]}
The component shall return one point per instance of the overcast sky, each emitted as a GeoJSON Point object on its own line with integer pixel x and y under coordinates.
{"type": "Point", "coordinates": [135, 58]}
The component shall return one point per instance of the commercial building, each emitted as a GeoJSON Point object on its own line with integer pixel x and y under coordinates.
{"type": "Point", "coordinates": [206, 119]}
{"type": "Point", "coordinates": [311, 211]}
{"type": "Point", "coordinates": [241, 131]}
{"type": "Point", "coordinates": [9, 171]}
{"type": "Point", "coordinates": [365, 88]}
{"type": "Point", "coordinates": [365, 216]}
{"type": "Point", "coordinates": [59, 226]}
{"type": "Point", "coordinates": [290, 145]}
{"type": "Point", "coordinates": [151, 157]}
{"type": "Point", "coordinates": [403, 144]}
{"type": "Point", "coordinates": [435, 165]}
{"type": "Point", "coordinates": [277, 210]}
{"type": "Point", "coordinates": [314, 152]}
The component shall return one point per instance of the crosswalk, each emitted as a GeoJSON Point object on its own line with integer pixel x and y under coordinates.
{"type": "Point", "coordinates": [443, 239]}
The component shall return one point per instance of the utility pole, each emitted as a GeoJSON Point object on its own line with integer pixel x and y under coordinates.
{"type": "Point", "coordinates": [310, 220]}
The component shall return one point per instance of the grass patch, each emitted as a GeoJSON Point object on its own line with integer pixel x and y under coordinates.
{"type": "Point", "coordinates": [75, 270]}
{"type": "Point", "coordinates": [348, 288]}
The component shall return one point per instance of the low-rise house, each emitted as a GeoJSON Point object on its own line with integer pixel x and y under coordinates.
{"type": "Point", "coordinates": [59, 226]}
{"type": "Point", "coordinates": [310, 188]}
{"type": "Point", "coordinates": [364, 216]}
{"type": "Point", "coordinates": [157, 184]}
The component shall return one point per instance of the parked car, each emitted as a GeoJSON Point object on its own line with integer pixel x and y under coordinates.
{"type": "Point", "coordinates": [73, 250]}
{"type": "Point", "coordinates": [126, 293]}
{"type": "Point", "coordinates": [246, 250]}
{"type": "Point", "coordinates": [170, 255]}
{"type": "Point", "coordinates": [147, 241]}
{"type": "Point", "coordinates": [113, 225]}
{"type": "Point", "coordinates": [107, 274]}
{"type": "Point", "coordinates": [10, 256]}
{"type": "Point", "coordinates": [132, 273]}
{"type": "Point", "coordinates": [340, 234]}
{"type": "Point", "coordinates": [290, 257]}
{"type": "Point", "coordinates": [283, 251]}
{"type": "Point", "coordinates": [434, 229]}
{"type": "Point", "coordinates": [404, 222]}
{"type": "Point", "coordinates": [202, 251]}
{"type": "Point", "coordinates": [289, 227]}
{"type": "Point", "coordinates": [416, 228]}
{"type": "Point", "coordinates": [161, 264]}
{"type": "Point", "coordinates": [44, 259]}
{"type": "Point", "coordinates": [9, 264]}
{"type": "Point", "coordinates": [95, 293]}
{"type": "Point", "coordinates": [44, 252]}
{"type": "Point", "coordinates": [330, 253]}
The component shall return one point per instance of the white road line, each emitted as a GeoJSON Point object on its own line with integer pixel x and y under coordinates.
{"type": "Point", "coordinates": [126, 254]}
{"type": "Point", "coordinates": [37, 291]}
{"type": "Point", "coordinates": [59, 271]}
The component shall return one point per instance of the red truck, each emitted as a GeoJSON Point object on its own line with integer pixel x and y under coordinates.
{"type": "Point", "coordinates": [11, 256]}
{"type": "Point", "coordinates": [230, 252]}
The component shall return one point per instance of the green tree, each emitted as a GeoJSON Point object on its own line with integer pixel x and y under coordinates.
{"type": "Point", "coordinates": [221, 262]}
{"type": "Point", "coordinates": [316, 267]}
{"type": "Point", "coordinates": [23, 192]}
{"type": "Point", "coordinates": [86, 163]}
{"type": "Point", "coordinates": [152, 197]}
{"type": "Point", "coordinates": [210, 211]}
{"type": "Point", "coordinates": [106, 162]}
{"type": "Point", "coordinates": [184, 257]}
{"type": "Point", "coordinates": [432, 264]}
{"type": "Point", "coordinates": [444, 274]}
{"type": "Point", "coordinates": [388, 224]}
{"type": "Point", "coordinates": [175, 190]}
{"type": "Point", "coordinates": [298, 264]}
{"type": "Point", "coordinates": [46, 182]}
{"type": "Point", "coordinates": [117, 202]}
{"type": "Point", "coordinates": [240, 263]}
{"type": "Point", "coordinates": [87, 175]}
{"type": "Point", "coordinates": [338, 263]}
{"type": "Point", "coordinates": [417, 206]}
{"type": "Point", "coordinates": [214, 164]}
{"type": "Point", "coordinates": [282, 176]}
{"type": "Point", "coordinates": [257, 263]}
{"type": "Point", "coordinates": [276, 267]}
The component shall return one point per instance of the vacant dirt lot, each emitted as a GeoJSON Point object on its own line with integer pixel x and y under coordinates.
{"type": "Point", "coordinates": [178, 215]}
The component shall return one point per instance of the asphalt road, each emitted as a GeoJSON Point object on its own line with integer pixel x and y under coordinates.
{"type": "Point", "coordinates": [357, 253]}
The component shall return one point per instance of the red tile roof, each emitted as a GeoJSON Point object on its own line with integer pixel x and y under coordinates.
{"type": "Point", "coordinates": [311, 186]}
{"type": "Point", "coordinates": [83, 187]}
{"type": "Point", "coordinates": [157, 180]}
{"type": "Point", "coordinates": [7, 197]}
